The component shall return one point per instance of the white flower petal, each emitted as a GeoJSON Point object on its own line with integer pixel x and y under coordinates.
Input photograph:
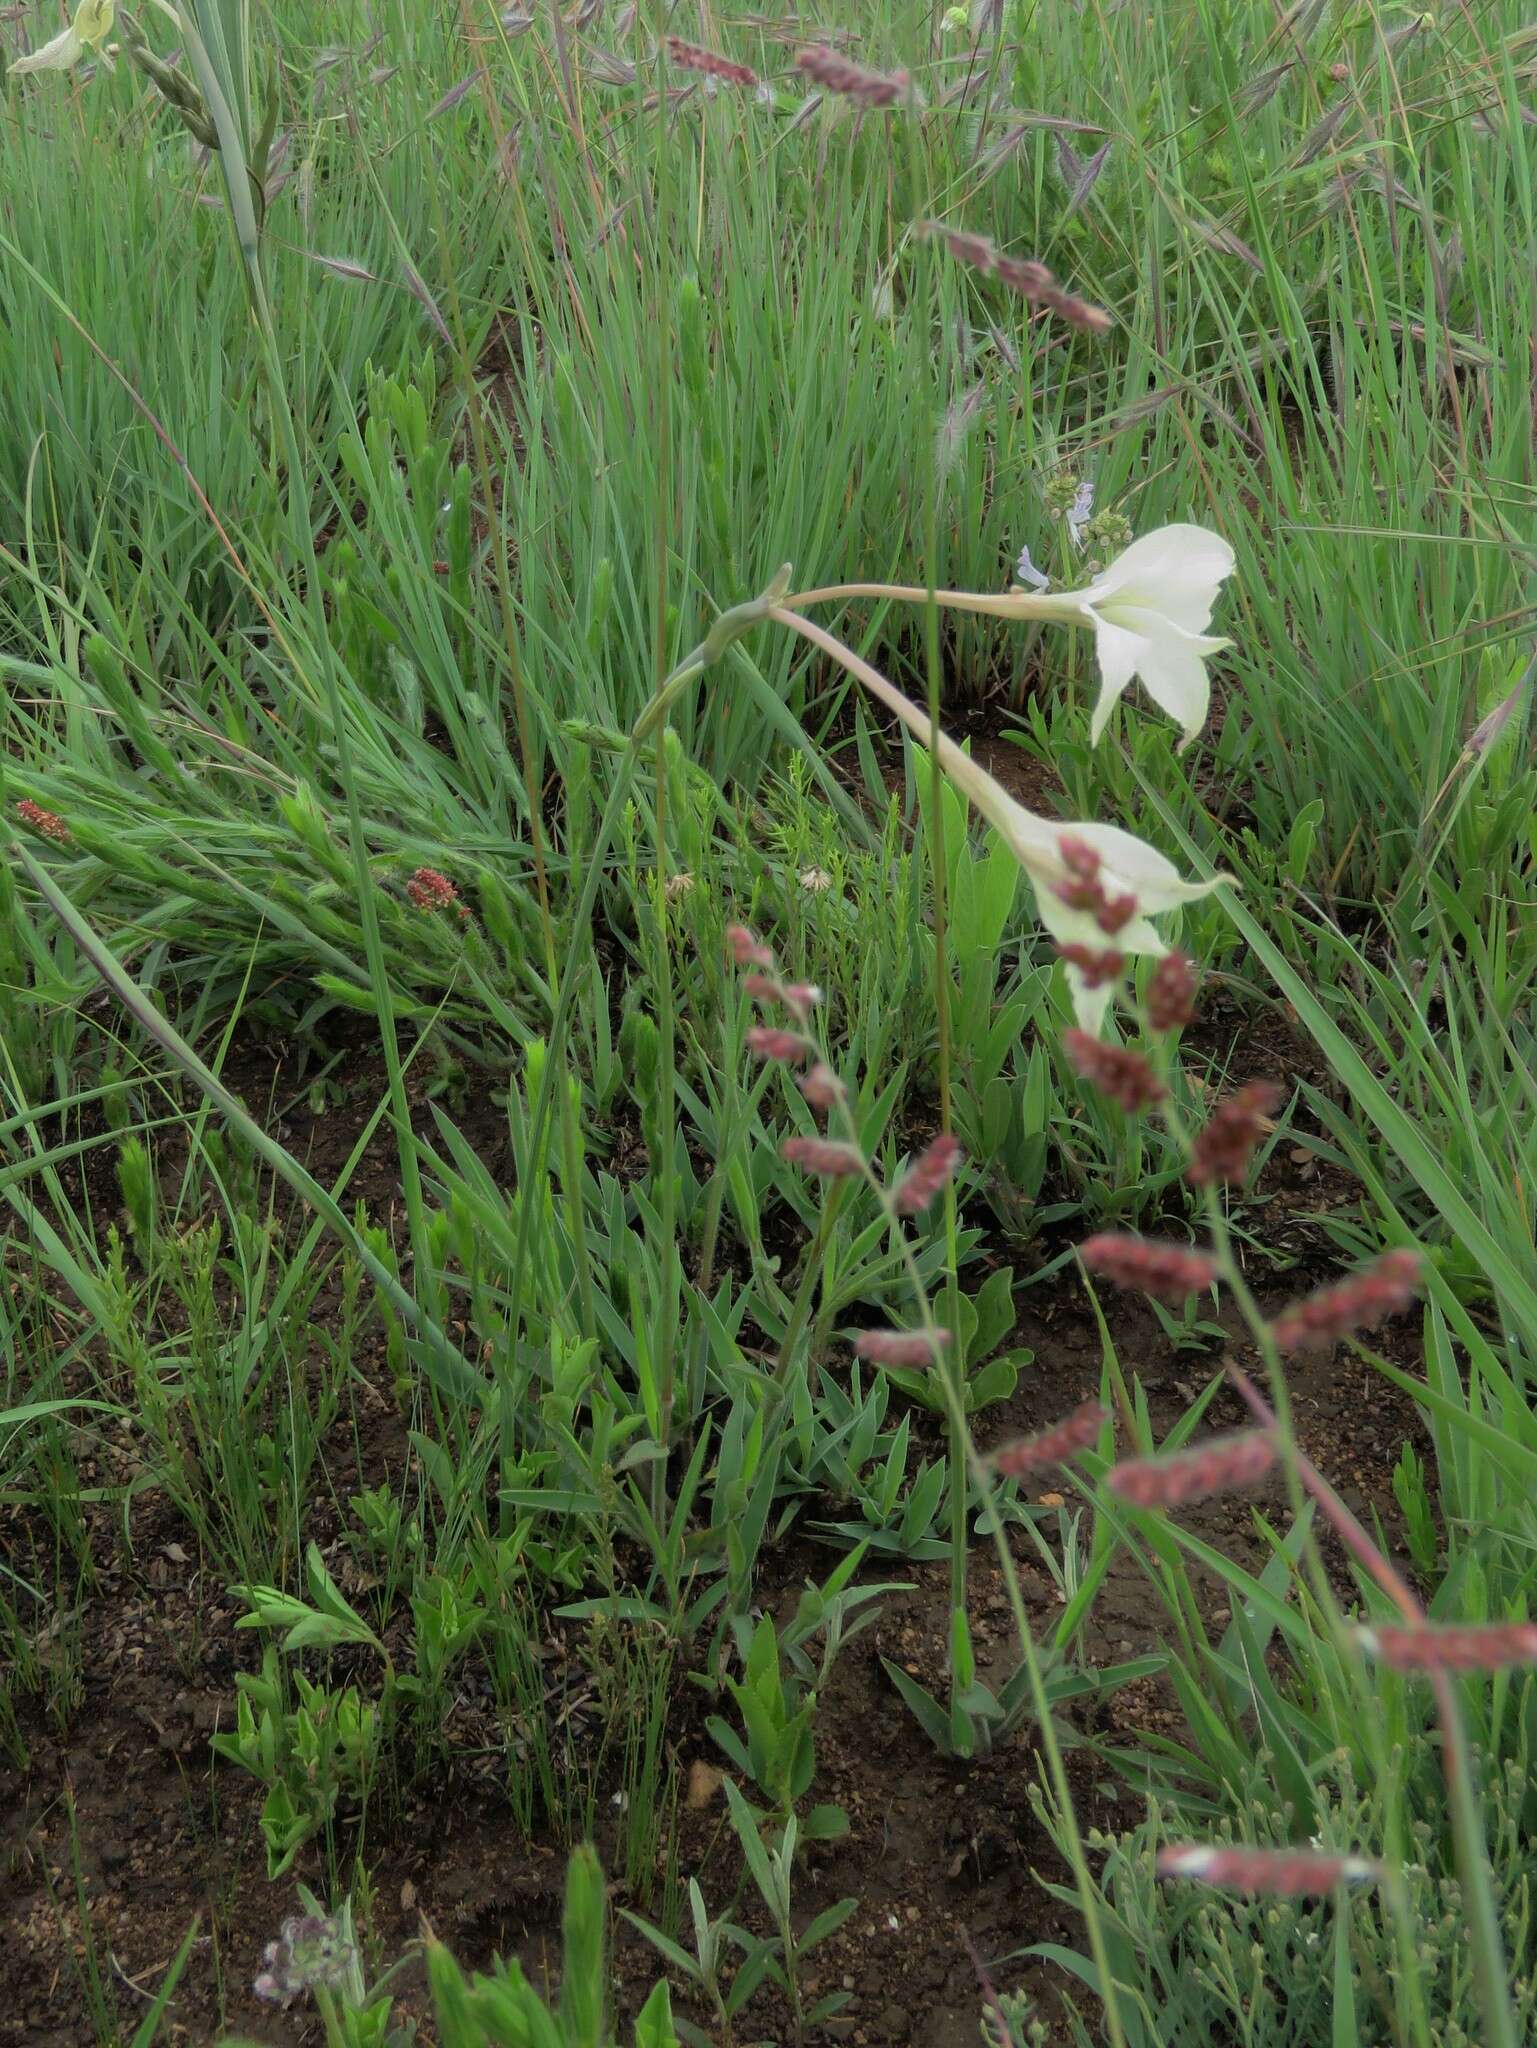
{"type": "Point", "coordinates": [1120, 652]}
{"type": "Point", "coordinates": [62, 54]}
{"type": "Point", "coordinates": [1170, 662]}
{"type": "Point", "coordinates": [1176, 571]}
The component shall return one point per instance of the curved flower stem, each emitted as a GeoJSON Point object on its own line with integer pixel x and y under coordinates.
{"type": "Point", "coordinates": [1004, 604]}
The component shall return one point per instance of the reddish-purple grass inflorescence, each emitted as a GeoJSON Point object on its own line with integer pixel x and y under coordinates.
{"type": "Point", "coordinates": [1169, 1272]}
{"type": "Point", "coordinates": [1085, 890]}
{"type": "Point", "coordinates": [823, 1156]}
{"type": "Point", "coordinates": [907, 1348]}
{"type": "Point", "coordinates": [1383, 1289]}
{"type": "Point", "coordinates": [692, 57]}
{"type": "Point", "coordinates": [48, 823]}
{"type": "Point", "coordinates": [923, 1180]}
{"type": "Point", "coordinates": [1022, 274]}
{"type": "Point", "coordinates": [429, 890]}
{"type": "Point", "coordinates": [1171, 993]}
{"type": "Point", "coordinates": [1278, 1873]}
{"type": "Point", "coordinates": [1216, 1467]}
{"type": "Point", "coordinates": [839, 74]}
{"type": "Point", "coordinates": [768, 1042]}
{"type": "Point", "coordinates": [822, 1088]}
{"type": "Point", "coordinates": [1224, 1149]}
{"type": "Point", "coordinates": [1495, 1646]}
{"type": "Point", "coordinates": [1076, 1432]}
{"type": "Point", "coordinates": [1124, 1075]}
{"type": "Point", "coordinates": [745, 949]}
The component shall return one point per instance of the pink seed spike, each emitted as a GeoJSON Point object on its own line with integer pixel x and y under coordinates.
{"type": "Point", "coordinates": [1117, 1071]}
{"type": "Point", "coordinates": [768, 1042]}
{"type": "Point", "coordinates": [927, 1175]}
{"type": "Point", "coordinates": [1099, 967]}
{"type": "Point", "coordinates": [692, 58]}
{"type": "Point", "coordinates": [46, 823]}
{"type": "Point", "coordinates": [836, 74]}
{"type": "Point", "coordinates": [1224, 1149]}
{"type": "Point", "coordinates": [1279, 1873]}
{"type": "Point", "coordinates": [1166, 1271]}
{"type": "Point", "coordinates": [822, 1156]}
{"type": "Point", "coordinates": [428, 890]}
{"type": "Point", "coordinates": [746, 950]}
{"type": "Point", "coordinates": [822, 1088]}
{"type": "Point", "coordinates": [1078, 1432]}
{"type": "Point", "coordinates": [1219, 1466]}
{"type": "Point", "coordinates": [1359, 1303]}
{"type": "Point", "coordinates": [1494, 1647]}
{"type": "Point", "coordinates": [1171, 993]}
{"type": "Point", "coordinates": [906, 1348]}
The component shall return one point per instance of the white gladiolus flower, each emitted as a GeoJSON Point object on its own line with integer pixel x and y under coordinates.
{"type": "Point", "coordinates": [1150, 610]}
{"type": "Point", "coordinates": [86, 33]}
{"type": "Point", "coordinates": [1128, 867]}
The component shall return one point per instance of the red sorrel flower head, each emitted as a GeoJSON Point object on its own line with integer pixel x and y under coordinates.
{"type": "Point", "coordinates": [745, 949]}
{"type": "Point", "coordinates": [1099, 966]}
{"type": "Point", "coordinates": [822, 1088]}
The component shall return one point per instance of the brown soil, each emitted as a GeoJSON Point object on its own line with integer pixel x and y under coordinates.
{"type": "Point", "coordinates": [940, 1855]}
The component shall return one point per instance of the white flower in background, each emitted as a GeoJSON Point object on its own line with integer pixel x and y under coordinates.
{"type": "Point", "coordinates": [86, 34]}
{"type": "Point", "coordinates": [815, 880]}
{"type": "Point", "coordinates": [1150, 610]}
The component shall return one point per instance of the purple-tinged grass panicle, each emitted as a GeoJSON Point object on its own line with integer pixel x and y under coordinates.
{"type": "Point", "coordinates": [823, 1156]}
{"type": "Point", "coordinates": [1220, 1466]}
{"type": "Point", "coordinates": [1076, 1432]}
{"type": "Point", "coordinates": [1169, 1272]}
{"type": "Point", "coordinates": [1171, 993]}
{"type": "Point", "coordinates": [1099, 966]}
{"type": "Point", "coordinates": [927, 1175]}
{"type": "Point", "coordinates": [745, 949]}
{"type": "Point", "coordinates": [838, 74]}
{"type": "Point", "coordinates": [1117, 1071]}
{"type": "Point", "coordinates": [822, 1088]}
{"type": "Point", "coordinates": [693, 57]}
{"type": "Point", "coordinates": [769, 1042]}
{"type": "Point", "coordinates": [905, 1348]}
{"type": "Point", "coordinates": [1494, 1646]}
{"type": "Point", "coordinates": [1225, 1148]}
{"type": "Point", "coordinates": [1385, 1288]}
{"type": "Point", "coordinates": [1272, 1873]}
{"type": "Point", "coordinates": [1022, 274]}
